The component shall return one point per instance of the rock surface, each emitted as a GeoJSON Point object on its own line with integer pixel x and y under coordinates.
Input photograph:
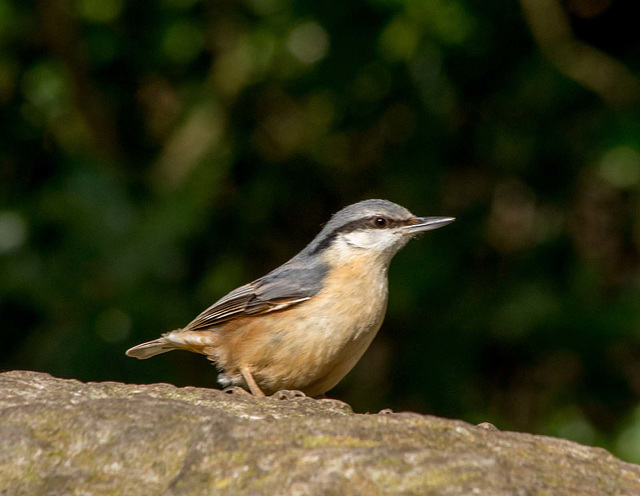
{"type": "Point", "coordinates": [64, 437]}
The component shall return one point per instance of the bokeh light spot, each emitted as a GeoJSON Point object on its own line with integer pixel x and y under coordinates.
{"type": "Point", "coordinates": [13, 231]}
{"type": "Point", "coordinates": [46, 87]}
{"type": "Point", "coordinates": [399, 39]}
{"type": "Point", "coordinates": [309, 42]}
{"type": "Point", "coordinates": [620, 167]}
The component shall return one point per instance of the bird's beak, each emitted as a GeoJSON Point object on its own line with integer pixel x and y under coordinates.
{"type": "Point", "coordinates": [423, 224]}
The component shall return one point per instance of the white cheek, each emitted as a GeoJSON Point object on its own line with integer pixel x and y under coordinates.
{"type": "Point", "coordinates": [381, 240]}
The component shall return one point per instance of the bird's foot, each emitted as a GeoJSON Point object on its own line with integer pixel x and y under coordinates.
{"type": "Point", "coordinates": [236, 391]}
{"type": "Point", "coordinates": [287, 394]}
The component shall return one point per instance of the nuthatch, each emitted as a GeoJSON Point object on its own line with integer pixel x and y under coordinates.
{"type": "Point", "coordinates": [304, 325]}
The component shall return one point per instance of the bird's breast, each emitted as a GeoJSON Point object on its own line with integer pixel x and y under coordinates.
{"type": "Point", "coordinates": [352, 301]}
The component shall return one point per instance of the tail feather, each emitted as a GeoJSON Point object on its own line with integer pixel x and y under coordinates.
{"type": "Point", "coordinates": [151, 348]}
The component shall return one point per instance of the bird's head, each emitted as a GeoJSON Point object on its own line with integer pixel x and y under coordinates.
{"type": "Point", "coordinates": [377, 228]}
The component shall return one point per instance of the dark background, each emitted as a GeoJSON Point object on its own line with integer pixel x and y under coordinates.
{"type": "Point", "coordinates": [156, 154]}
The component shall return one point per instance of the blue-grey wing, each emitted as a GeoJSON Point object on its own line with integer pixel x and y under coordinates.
{"type": "Point", "coordinates": [288, 285]}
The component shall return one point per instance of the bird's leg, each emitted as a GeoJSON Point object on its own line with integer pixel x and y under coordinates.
{"type": "Point", "coordinates": [253, 386]}
{"type": "Point", "coordinates": [283, 394]}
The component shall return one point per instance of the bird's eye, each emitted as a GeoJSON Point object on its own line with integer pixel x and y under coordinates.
{"type": "Point", "coordinates": [380, 222]}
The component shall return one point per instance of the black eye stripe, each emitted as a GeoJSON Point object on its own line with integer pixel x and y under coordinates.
{"type": "Point", "coordinates": [356, 225]}
{"type": "Point", "coordinates": [368, 222]}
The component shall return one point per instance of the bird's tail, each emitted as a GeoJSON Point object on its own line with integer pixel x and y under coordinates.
{"type": "Point", "coordinates": [204, 342]}
{"type": "Point", "coordinates": [151, 348]}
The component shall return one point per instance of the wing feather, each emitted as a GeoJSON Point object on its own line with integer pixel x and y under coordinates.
{"type": "Point", "coordinates": [286, 286]}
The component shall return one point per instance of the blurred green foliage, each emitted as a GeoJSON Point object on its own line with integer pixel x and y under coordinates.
{"type": "Point", "coordinates": [156, 154]}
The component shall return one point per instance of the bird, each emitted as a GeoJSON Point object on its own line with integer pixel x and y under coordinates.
{"type": "Point", "coordinates": [302, 327]}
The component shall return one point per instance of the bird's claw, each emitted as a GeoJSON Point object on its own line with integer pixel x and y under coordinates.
{"type": "Point", "coordinates": [287, 394]}
{"type": "Point", "coordinates": [236, 391]}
